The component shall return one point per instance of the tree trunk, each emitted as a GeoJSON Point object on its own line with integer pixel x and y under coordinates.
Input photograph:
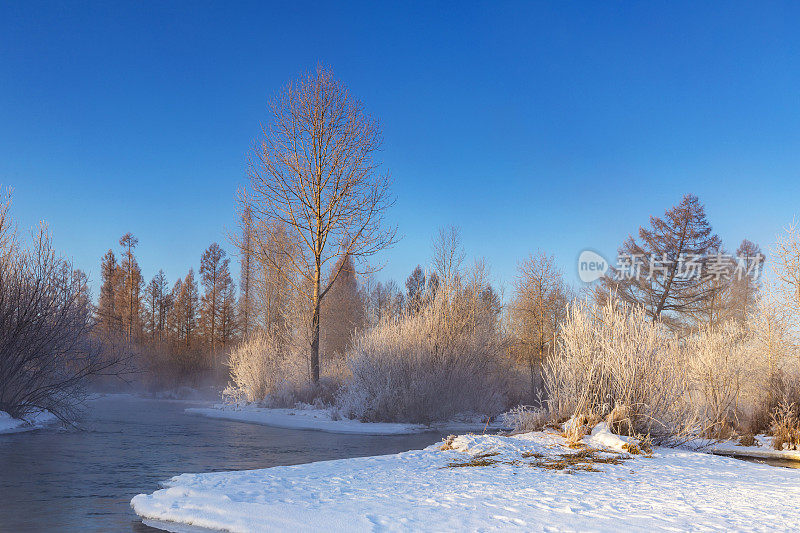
{"type": "Point", "coordinates": [315, 332]}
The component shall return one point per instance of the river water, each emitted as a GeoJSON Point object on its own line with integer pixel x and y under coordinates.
{"type": "Point", "coordinates": [83, 480]}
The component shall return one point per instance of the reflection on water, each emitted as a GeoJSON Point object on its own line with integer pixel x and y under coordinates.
{"type": "Point", "coordinates": [55, 480]}
{"type": "Point", "coordinates": [772, 462]}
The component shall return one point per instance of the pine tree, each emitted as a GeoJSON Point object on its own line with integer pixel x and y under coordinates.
{"type": "Point", "coordinates": [343, 309]}
{"type": "Point", "coordinates": [214, 275]}
{"type": "Point", "coordinates": [227, 312]}
{"type": "Point", "coordinates": [415, 289]}
{"type": "Point", "coordinates": [156, 299]}
{"type": "Point", "coordinates": [108, 316]}
{"type": "Point", "coordinates": [247, 268]}
{"type": "Point", "coordinates": [187, 308]}
{"type": "Point", "coordinates": [662, 280]}
{"type": "Point", "coordinates": [131, 287]}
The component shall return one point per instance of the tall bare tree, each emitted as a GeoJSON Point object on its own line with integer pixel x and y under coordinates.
{"type": "Point", "coordinates": [668, 273]}
{"type": "Point", "coordinates": [315, 171]}
{"type": "Point", "coordinates": [448, 253]}
{"type": "Point", "coordinates": [787, 267]}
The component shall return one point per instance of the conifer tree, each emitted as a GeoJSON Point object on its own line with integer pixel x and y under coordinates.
{"type": "Point", "coordinates": [669, 275]}
{"type": "Point", "coordinates": [214, 275]}
{"type": "Point", "coordinates": [131, 287]}
{"type": "Point", "coordinates": [108, 316]}
{"type": "Point", "coordinates": [343, 310]}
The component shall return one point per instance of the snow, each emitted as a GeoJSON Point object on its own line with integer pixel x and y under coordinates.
{"type": "Point", "coordinates": [37, 420]}
{"type": "Point", "coordinates": [764, 450]}
{"type": "Point", "coordinates": [602, 437]}
{"type": "Point", "coordinates": [323, 420]}
{"type": "Point", "coordinates": [422, 490]}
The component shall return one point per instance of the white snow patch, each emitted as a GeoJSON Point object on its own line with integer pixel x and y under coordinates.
{"type": "Point", "coordinates": [603, 438]}
{"type": "Point", "coordinates": [673, 490]}
{"type": "Point", "coordinates": [37, 420]}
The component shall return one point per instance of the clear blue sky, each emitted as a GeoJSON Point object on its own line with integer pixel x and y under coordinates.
{"type": "Point", "coordinates": [554, 126]}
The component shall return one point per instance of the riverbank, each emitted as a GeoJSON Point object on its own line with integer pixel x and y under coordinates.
{"type": "Point", "coordinates": [37, 420]}
{"type": "Point", "coordinates": [531, 481]}
{"type": "Point", "coordinates": [760, 449]}
{"type": "Point", "coordinates": [309, 418]}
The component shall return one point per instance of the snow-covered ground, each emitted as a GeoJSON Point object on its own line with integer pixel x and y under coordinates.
{"type": "Point", "coordinates": [323, 420]}
{"type": "Point", "coordinates": [15, 425]}
{"type": "Point", "coordinates": [530, 481]}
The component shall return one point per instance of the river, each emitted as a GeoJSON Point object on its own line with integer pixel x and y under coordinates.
{"type": "Point", "coordinates": [83, 480]}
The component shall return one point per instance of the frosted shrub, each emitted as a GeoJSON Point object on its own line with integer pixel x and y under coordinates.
{"type": "Point", "coordinates": [611, 357]}
{"type": "Point", "coordinates": [441, 360]}
{"type": "Point", "coordinates": [261, 366]}
{"type": "Point", "coordinates": [525, 418]}
{"type": "Point", "coordinates": [718, 365]}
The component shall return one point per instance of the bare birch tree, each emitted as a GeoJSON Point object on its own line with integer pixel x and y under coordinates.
{"type": "Point", "coordinates": [314, 170]}
{"type": "Point", "coordinates": [787, 266]}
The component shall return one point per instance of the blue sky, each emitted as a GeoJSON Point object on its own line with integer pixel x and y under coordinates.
{"type": "Point", "coordinates": [554, 126]}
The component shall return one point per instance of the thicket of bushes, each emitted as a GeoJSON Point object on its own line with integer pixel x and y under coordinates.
{"type": "Point", "coordinates": [444, 359]}
{"type": "Point", "coordinates": [610, 361]}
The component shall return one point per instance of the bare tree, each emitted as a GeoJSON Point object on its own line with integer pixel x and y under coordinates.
{"type": "Point", "coordinates": [660, 277]}
{"type": "Point", "coordinates": [315, 172]}
{"type": "Point", "coordinates": [787, 266]}
{"type": "Point", "coordinates": [539, 305]}
{"type": "Point", "coordinates": [108, 315]}
{"type": "Point", "coordinates": [448, 253]}
{"type": "Point", "coordinates": [47, 352]}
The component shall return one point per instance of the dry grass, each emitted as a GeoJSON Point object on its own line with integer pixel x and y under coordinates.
{"type": "Point", "coordinates": [448, 443]}
{"type": "Point", "coordinates": [583, 460]}
{"type": "Point", "coordinates": [748, 440]}
{"type": "Point", "coordinates": [785, 427]}
{"type": "Point", "coordinates": [482, 459]}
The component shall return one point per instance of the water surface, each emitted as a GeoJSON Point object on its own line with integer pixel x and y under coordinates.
{"type": "Point", "coordinates": [57, 480]}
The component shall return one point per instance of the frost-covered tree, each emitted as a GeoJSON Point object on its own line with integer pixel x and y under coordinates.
{"type": "Point", "coordinates": [314, 172]}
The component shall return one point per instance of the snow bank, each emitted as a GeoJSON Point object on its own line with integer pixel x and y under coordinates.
{"type": "Point", "coordinates": [422, 490]}
{"type": "Point", "coordinates": [15, 425]}
{"type": "Point", "coordinates": [321, 420]}
{"type": "Point", "coordinates": [763, 450]}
